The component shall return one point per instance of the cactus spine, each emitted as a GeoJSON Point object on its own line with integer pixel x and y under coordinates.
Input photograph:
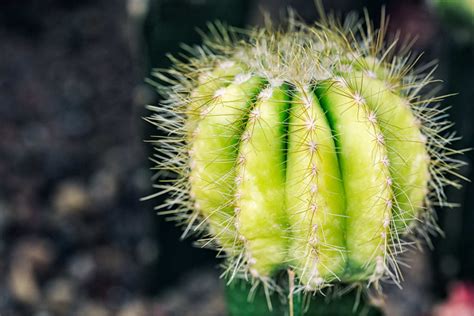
{"type": "Point", "coordinates": [310, 148]}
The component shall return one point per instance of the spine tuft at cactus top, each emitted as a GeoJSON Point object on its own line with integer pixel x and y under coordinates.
{"type": "Point", "coordinates": [317, 148]}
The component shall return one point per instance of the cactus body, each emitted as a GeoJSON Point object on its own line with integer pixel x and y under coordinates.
{"type": "Point", "coordinates": [304, 149]}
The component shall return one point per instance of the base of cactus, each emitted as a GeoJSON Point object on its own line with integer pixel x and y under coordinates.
{"type": "Point", "coordinates": [240, 303]}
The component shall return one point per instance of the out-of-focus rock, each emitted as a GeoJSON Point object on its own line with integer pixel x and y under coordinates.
{"type": "Point", "coordinates": [82, 266]}
{"type": "Point", "coordinates": [60, 294]}
{"type": "Point", "coordinates": [93, 309]}
{"type": "Point", "coordinates": [22, 283]}
{"type": "Point", "coordinates": [39, 253]}
{"type": "Point", "coordinates": [200, 294]}
{"type": "Point", "coordinates": [137, 8]}
{"type": "Point", "coordinates": [29, 257]}
{"type": "Point", "coordinates": [110, 260]}
{"type": "Point", "coordinates": [135, 308]}
{"type": "Point", "coordinates": [70, 198]}
{"type": "Point", "coordinates": [103, 188]}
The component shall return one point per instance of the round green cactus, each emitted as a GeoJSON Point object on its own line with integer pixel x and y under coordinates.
{"type": "Point", "coordinates": [316, 149]}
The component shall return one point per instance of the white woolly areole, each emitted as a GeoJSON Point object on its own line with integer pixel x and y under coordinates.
{"type": "Point", "coordinates": [241, 78]}
{"type": "Point", "coordinates": [204, 77]}
{"type": "Point", "coordinates": [266, 93]}
{"type": "Point", "coordinates": [370, 74]}
{"type": "Point", "coordinates": [341, 81]}
{"type": "Point", "coordinates": [219, 92]}
{"type": "Point", "coordinates": [275, 83]}
{"type": "Point", "coordinates": [226, 64]}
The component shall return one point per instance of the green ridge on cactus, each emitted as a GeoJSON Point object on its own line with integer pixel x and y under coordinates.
{"type": "Point", "coordinates": [202, 96]}
{"type": "Point", "coordinates": [214, 152]}
{"type": "Point", "coordinates": [409, 161]}
{"type": "Point", "coordinates": [364, 168]}
{"type": "Point", "coordinates": [314, 194]}
{"type": "Point", "coordinates": [261, 210]}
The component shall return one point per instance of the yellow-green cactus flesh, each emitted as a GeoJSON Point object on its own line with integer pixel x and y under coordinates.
{"type": "Point", "coordinates": [314, 194]}
{"type": "Point", "coordinates": [260, 196]}
{"type": "Point", "coordinates": [406, 146]}
{"type": "Point", "coordinates": [213, 157]}
{"type": "Point", "coordinates": [204, 94]}
{"type": "Point", "coordinates": [364, 169]}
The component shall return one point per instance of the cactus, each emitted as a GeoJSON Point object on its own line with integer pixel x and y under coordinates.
{"type": "Point", "coordinates": [319, 150]}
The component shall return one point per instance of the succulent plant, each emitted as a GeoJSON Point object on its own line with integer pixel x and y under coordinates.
{"type": "Point", "coordinates": [315, 149]}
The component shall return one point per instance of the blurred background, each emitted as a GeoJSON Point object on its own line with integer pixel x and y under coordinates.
{"type": "Point", "coordinates": [74, 237]}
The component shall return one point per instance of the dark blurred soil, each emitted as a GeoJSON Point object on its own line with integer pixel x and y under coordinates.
{"type": "Point", "coordinates": [74, 237]}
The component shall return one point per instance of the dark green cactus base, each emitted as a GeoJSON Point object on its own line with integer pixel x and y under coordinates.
{"type": "Point", "coordinates": [238, 304]}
